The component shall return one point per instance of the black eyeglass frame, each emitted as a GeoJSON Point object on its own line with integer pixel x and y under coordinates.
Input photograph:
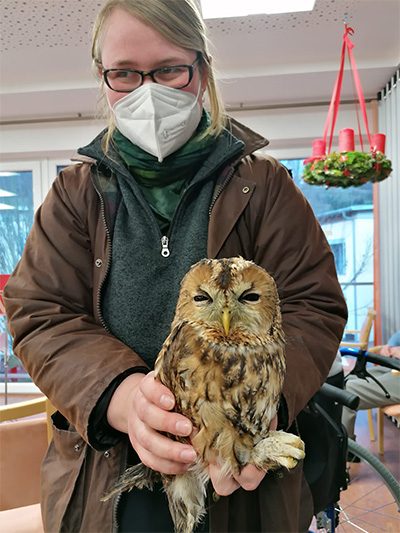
{"type": "Point", "coordinates": [144, 73]}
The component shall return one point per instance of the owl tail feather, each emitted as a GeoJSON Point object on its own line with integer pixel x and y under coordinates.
{"type": "Point", "coordinates": [186, 498]}
{"type": "Point", "coordinates": [139, 476]}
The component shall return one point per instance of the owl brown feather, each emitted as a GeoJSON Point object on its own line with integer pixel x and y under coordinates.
{"type": "Point", "coordinates": [224, 362]}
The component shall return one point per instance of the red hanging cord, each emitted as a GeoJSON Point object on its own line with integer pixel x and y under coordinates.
{"type": "Point", "coordinates": [356, 106]}
{"type": "Point", "coordinates": [335, 100]}
{"type": "Point", "coordinates": [357, 81]}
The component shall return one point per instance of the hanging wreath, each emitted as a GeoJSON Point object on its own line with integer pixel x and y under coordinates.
{"type": "Point", "coordinates": [347, 169]}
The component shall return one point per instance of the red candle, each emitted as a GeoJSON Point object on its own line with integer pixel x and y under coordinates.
{"type": "Point", "coordinates": [378, 142]}
{"type": "Point", "coordinates": [318, 147]}
{"type": "Point", "coordinates": [346, 140]}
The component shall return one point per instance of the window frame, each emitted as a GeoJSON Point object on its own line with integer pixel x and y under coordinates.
{"type": "Point", "coordinates": [43, 174]}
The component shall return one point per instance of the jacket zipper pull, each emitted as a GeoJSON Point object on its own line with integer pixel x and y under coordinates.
{"type": "Point", "coordinates": [165, 250]}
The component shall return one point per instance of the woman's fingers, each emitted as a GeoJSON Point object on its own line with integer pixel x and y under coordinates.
{"type": "Point", "coordinates": [150, 418]}
{"type": "Point", "coordinates": [250, 477]}
{"type": "Point", "coordinates": [162, 446]}
{"type": "Point", "coordinates": [162, 420]}
{"type": "Point", "coordinates": [161, 464]}
{"type": "Point", "coordinates": [274, 423]}
{"type": "Point", "coordinates": [156, 392]}
{"type": "Point", "coordinates": [153, 404]}
{"type": "Point", "coordinates": [224, 485]}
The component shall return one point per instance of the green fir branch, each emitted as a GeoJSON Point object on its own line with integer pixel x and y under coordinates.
{"type": "Point", "coordinates": [347, 169]}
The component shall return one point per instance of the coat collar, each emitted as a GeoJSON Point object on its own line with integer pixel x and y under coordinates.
{"type": "Point", "coordinates": [252, 141]}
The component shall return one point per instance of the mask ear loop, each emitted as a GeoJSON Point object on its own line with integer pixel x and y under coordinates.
{"type": "Point", "coordinates": [199, 91]}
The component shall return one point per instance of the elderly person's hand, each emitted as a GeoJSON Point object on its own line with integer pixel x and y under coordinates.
{"type": "Point", "coordinates": [394, 352]}
{"type": "Point", "coordinates": [390, 351]}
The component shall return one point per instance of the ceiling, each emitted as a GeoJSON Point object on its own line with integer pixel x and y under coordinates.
{"type": "Point", "coordinates": [262, 61]}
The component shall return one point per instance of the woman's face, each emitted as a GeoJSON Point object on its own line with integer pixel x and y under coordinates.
{"type": "Point", "coordinates": [129, 43]}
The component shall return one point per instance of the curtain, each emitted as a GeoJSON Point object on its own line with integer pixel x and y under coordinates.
{"type": "Point", "coordinates": [389, 209]}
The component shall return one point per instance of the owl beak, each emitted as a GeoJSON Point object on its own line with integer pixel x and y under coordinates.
{"type": "Point", "coordinates": [226, 319]}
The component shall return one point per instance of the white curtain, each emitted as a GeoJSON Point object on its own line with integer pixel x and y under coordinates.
{"type": "Point", "coordinates": [389, 209]}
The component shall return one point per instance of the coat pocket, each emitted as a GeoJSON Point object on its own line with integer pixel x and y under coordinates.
{"type": "Point", "coordinates": [74, 479]}
{"type": "Point", "coordinates": [60, 471]}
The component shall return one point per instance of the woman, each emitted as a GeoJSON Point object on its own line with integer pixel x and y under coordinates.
{"type": "Point", "coordinates": [92, 299]}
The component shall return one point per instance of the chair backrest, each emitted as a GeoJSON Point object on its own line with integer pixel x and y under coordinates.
{"type": "Point", "coordinates": [23, 444]}
{"type": "Point", "coordinates": [366, 327]}
{"type": "Point", "coordinates": [19, 410]}
{"type": "Point", "coordinates": [363, 333]}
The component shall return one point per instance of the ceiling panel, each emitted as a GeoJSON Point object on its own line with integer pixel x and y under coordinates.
{"type": "Point", "coordinates": [262, 60]}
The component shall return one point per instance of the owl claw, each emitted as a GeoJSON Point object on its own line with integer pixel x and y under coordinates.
{"type": "Point", "coordinates": [278, 449]}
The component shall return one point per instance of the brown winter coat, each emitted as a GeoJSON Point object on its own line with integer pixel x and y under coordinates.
{"type": "Point", "coordinates": [52, 303]}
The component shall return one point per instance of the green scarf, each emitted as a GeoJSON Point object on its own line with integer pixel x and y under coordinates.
{"type": "Point", "coordinates": [162, 184]}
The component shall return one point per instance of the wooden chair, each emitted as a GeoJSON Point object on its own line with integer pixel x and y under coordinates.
{"type": "Point", "coordinates": [390, 410]}
{"type": "Point", "coordinates": [363, 333]}
{"type": "Point", "coordinates": [23, 444]}
{"type": "Point", "coordinates": [16, 411]}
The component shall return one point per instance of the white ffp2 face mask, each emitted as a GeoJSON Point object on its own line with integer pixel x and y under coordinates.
{"type": "Point", "coordinates": [158, 119]}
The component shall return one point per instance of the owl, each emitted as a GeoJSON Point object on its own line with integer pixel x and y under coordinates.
{"type": "Point", "coordinates": [224, 362]}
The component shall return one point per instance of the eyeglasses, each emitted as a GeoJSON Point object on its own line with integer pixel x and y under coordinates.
{"type": "Point", "coordinates": [126, 80]}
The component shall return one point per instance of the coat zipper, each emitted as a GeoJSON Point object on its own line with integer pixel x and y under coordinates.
{"type": "Point", "coordinates": [108, 263]}
{"type": "Point", "coordinates": [223, 186]}
{"type": "Point", "coordinates": [114, 518]}
{"type": "Point", "coordinates": [124, 453]}
{"type": "Point", "coordinates": [164, 246]}
{"type": "Point", "coordinates": [117, 499]}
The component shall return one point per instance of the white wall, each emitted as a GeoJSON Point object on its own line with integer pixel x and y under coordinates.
{"type": "Point", "coordinates": [46, 140]}
{"type": "Point", "coordinates": [290, 131]}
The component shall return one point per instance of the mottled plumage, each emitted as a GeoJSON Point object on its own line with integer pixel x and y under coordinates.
{"type": "Point", "coordinates": [224, 362]}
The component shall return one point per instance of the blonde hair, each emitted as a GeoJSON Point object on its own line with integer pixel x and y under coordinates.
{"type": "Point", "coordinates": [180, 22]}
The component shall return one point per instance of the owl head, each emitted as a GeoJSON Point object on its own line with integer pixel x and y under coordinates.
{"type": "Point", "coordinates": [232, 296]}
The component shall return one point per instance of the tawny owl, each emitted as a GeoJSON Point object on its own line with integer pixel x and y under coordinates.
{"type": "Point", "coordinates": [224, 362]}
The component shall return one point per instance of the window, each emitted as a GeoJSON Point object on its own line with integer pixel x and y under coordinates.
{"type": "Point", "coordinates": [23, 186]}
{"type": "Point", "coordinates": [339, 253]}
{"type": "Point", "coordinates": [20, 194]}
{"type": "Point", "coordinates": [16, 216]}
{"type": "Point", "coordinates": [346, 217]}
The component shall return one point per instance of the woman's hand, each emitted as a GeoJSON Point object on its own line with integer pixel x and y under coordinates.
{"type": "Point", "coordinates": [249, 478]}
{"type": "Point", "coordinates": [141, 408]}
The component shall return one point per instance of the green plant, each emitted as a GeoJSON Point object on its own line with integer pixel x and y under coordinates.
{"type": "Point", "coordinates": [347, 169]}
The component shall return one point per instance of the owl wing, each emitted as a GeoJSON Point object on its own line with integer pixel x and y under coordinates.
{"type": "Point", "coordinates": [172, 365]}
{"type": "Point", "coordinates": [185, 366]}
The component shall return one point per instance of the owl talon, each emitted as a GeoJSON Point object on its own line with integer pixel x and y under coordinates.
{"type": "Point", "coordinates": [278, 449]}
